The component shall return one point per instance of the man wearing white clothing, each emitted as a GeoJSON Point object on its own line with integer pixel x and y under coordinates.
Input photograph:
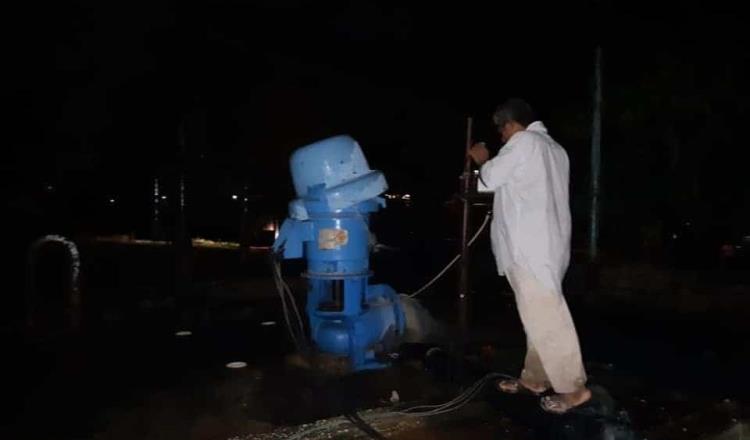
{"type": "Point", "coordinates": [530, 236]}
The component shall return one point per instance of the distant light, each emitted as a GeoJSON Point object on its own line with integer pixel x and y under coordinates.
{"type": "Point", "coordinates": [674, 236]}
{"type": "Point", "coordinates": [238, 364]}
{"type": "Point", "coordinates": [245, 199]}
{"type": "Point", "coordinates": [406, 197]}
{"type": "Point", "coordinates": [183, 333]}
{"type": "Point", "coordinates": [50, 188]}
{"type": "Point", "coordinates": [112, 201]}
{"type": "Point", "coordinates": [164, 197]}
{"type": "Point", "coordinates": [270, 226]}
{"type": "Point", "coordinates": [234, 197]}
{"type": "Point", "coordinates": [268, 323]}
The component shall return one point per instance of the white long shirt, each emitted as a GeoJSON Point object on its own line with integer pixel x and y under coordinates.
{"type": "Point", "coordinates": [531, 224]}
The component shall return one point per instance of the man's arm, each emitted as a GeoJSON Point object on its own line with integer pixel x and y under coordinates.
{"type": "Point", "coordinates": [497, 171]}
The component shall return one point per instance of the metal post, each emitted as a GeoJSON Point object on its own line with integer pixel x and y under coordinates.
{"type": "Point", "coordinates": [155, 214]}
{"type": "Point", "coordinates": [463, 281]}
{"type": "Point", "coordinates": [182, 237]}
{"type": "Point", "coordinates": [596, 140]}
{"type": "Point", "coordinates": [182, 242]}
{"type": "Point", "coordinates": [244, 239]}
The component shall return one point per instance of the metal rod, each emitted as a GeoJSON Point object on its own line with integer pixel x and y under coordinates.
{"type": "Point", "coordinates": [182, 243]}
{"type": "Point", "coordinates": [596, 147]}
{"type": "Point", "coordinates": [463, 281]}
{"type": "Point", "coordinates": [244, 232]}
{"type": "Point", "coordinates": [155, 212]}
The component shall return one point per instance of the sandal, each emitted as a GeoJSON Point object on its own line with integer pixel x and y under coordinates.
{"type": "Point", "coordinates": [556, 404]}
{"type": "Point", "coordinates": [515, 386]}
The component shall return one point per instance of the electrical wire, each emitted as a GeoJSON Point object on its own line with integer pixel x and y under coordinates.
{"type": "Point", "coordinates": [363, 426]}
{"type": "Point", "coordinates": [416, 411]}
{"type": "Point", "coordinates": [285, 294]}
{"type": "Point", "coordinates": [288, 291]}
{"type": "Point", "coordinates": [285, 309]}
{"type": "Point", "coordinates": [455, 259]}
{"type": "Point", "coordinates": [456, 403]}
{"type": "Point", "coordinates": [290, 297]}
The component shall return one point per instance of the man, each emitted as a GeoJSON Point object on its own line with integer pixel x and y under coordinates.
{"type": "Point", "coordinates": [531, 241]}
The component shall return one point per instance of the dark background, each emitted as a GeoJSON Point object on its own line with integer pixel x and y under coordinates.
{"type": "Point", "coordinates": [103, 97]}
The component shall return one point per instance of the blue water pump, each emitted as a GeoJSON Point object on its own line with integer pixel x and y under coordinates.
{"type": "Point", "coordinates": [329, 224]}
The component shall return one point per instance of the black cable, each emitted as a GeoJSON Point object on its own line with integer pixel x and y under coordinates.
{"type": "Point", "coordinates": [284, 291]}
{"type": "Point", "coordinates": [482, 180]}
{"type": "Point", "coordinates": [363, 426]}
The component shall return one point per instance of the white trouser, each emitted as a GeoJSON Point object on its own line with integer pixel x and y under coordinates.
{"type": "Point", "coordinates": [553, 354]}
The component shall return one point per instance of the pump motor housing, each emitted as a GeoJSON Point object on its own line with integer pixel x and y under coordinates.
{"type": "Point", "coordinates": [328, 224]}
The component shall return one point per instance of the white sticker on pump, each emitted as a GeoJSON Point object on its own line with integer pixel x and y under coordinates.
{"type": "Point", "coordinates": [332, 238]}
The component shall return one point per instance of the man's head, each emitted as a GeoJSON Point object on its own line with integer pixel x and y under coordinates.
{"type": "Point", "coordinates": [512, 116]}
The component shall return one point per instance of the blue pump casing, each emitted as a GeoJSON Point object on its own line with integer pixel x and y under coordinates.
{"type": "Point", "coordinates": [329, 225]}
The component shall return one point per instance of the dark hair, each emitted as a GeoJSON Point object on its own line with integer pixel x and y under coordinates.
{"type": "Point", "coordinates": [516, 110]}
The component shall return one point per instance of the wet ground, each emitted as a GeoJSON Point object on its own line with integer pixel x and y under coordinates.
{"type": "Point", "coordinates": [658, 372]}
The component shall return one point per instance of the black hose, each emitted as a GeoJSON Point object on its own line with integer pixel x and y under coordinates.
{"type": "Point", "coordinates": [363, 426]}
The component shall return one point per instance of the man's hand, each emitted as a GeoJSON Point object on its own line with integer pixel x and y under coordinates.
{"type": "Point", "coordinates": [479, 153]}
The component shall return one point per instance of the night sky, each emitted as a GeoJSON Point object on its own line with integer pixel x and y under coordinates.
{"type": "Point", "coordinates": [101, 95]}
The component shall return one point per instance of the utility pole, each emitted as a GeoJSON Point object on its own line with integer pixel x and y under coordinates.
{"type": "Point", "coordinates": [182, 244]}
{"type": "Point", "coordinates": [596, 148]}
{"type": "Point", "coordinates": [155, 212]}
